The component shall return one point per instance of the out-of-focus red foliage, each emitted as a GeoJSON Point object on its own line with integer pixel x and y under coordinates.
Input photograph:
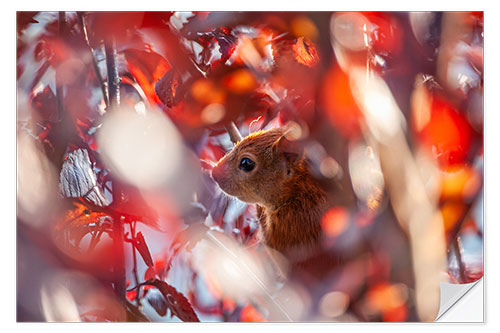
{"type": "Point", "coordinates": [447, 134]}
{"type": "Point", "coordinates": [250, 314]}
{"type": "Point", "coordinates": [147, 68]}
{"type": "Point", "coordinates": [339, 103]}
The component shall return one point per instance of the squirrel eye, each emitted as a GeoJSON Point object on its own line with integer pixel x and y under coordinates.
{"type": "Point", "coordinates": [247, 164]}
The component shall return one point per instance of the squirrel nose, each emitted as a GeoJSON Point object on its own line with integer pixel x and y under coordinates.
{"type": "Point", "coordinates": [217, 173]}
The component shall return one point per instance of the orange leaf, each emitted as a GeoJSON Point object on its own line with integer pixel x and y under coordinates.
{"type": "Point", "coordinates": [79, 215]}
{"type": "Point", "coordinates": [305, 52]}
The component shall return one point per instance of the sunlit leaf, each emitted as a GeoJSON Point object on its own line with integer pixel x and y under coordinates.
{"type": "Point", "coordinates": [305, 52]}
{"type": "Point", "coordinates": [79, 215]}
{"type": "Point", "coordinates": [147, 68]}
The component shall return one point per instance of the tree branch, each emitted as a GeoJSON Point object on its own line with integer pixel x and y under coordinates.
{"type": "Point", "coordinates": [134, 256]}
{"type": "Point", "coordinates": [118, 219]}
{"type": "Point", "coordinates": [59, 90]}
{"type": "Point", "coordinates": [234, 133]}
{"type": "Point", "coordinates": [81, 21]}
{"type": "Point", "coordinates": [113, 76]}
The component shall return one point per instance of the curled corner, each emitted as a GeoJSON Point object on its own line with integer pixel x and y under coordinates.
{"type": "Point", "coordinates": [459, 299]}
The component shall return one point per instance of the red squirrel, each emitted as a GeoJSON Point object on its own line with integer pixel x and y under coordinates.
{"type": "Point", "coordinates": [267, 169]}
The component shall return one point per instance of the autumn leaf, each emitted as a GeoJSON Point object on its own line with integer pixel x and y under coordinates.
{"type": "Point", "coordinates": [141, 246]}
{"type": "Point", "coordinates": [79, 215]}
{"type": "Point", "coordinates": [176, 302]}
{"type": "Point", "coordinates": [157, 301]}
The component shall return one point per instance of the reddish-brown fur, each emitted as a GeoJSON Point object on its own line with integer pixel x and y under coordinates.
{"type": "Point", "coordinates": [292, 201]}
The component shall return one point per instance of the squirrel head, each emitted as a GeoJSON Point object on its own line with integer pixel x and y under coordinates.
{"type": "Point", "coordinates": [259, 166]}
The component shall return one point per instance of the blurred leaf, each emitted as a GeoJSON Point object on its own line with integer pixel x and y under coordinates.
{"type": "Point", "coordinates": [24, 19]}
{"type": "Point", "coordinates": [460, 182]}
{"type": "Point", "coordinates": [448, 135]}
{"type": "Point", "coordinates": [143, 249]}
{"type": "Point", "coordinates": [339, 103]}
{"type": "Point", "coordinates": [452, 212]}
{"type": "Point", "coordinates": [190, 236]}
{"type": "Point", "coordinates": [103, 25]}
{"type": "Point", "coordinates": [150, 273]}
{"type": "Point", "coordinates": [134, 314]}
{"type": "Point", "coordinates": [133, 205]}
{"type": "Point", "coordinates": [147, 68]}
{"type": "Point", "coordinates": [157, 301]}
{"type": "Point", "coordinates": [240, 81]}
{"type": "Point", "coordinates": [250, 314]}
{"type": "Point", "coordinates": [45, 103]}
{"type": "Point", "coordinates": [131, 295]}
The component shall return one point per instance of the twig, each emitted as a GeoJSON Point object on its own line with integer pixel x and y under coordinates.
{"type": "Point", "coordinates": [81, 21]}
{"type": "Point", "coordinates": [113, 76]}
{"type": "Point", "coordinates": [234, 133]}
{"type": "Point", "coordinates": [59, 90]}
{"type": "Point", "coordinates": [134, 256]}
{"type": "Point", "coordinates": [96, 236]}
{"type": "Point", "coordinates": [118, 219]}
{"type": "Point", "coordinates": [461, 264]}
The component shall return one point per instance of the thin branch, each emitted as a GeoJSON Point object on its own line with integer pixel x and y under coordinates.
{"type": "Point", "coordinates": [118, 219]}
{"type": "Point", "coordinates": [234, 133]}
{"type": "Point", "coordinates": [113, 76]}
{"type": "Point", "coordinates": [461, 264]}
{"type": "Point", "coordinates": [134, 256]}
{"type": "Point", "coordinates": [59, 89]}
{"type": "Point", "coordinates": [81, 21]}
{"type": "Point", "coordinates": [96, 236]}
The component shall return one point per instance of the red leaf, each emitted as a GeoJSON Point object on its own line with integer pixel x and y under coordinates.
{"type": "Point", "coordinates": [157, 301]}
{"type": "Point", "coordinates": [447, 133]}
{"type": "Point", "coordinates": [24, 19]}
{"type": "Point", "coordinates": [44, 102]}
{"type": "Point", "coordinates": [147, 68]}
{"type": "Point", "coordinates": [150, 273]}
{"type": "Point", "coordinates": [170, 88]}
{"type": "Point", "coordinates": [102, 25]}
{"type": "Point", "coordinates": [131, 295]}
{"type": "Point", "coordinates": [143, 249]}
{"type": "Point", "coordinates": [133, 205]}
{"type": "Point", "coordinates": [176, 302]}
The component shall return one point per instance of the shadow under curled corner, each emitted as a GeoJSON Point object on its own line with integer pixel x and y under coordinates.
{"type": "Point", "coordinates": [462, 303]}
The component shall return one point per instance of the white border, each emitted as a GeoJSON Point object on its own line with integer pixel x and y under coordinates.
{"type": "Point", "coordinates": [492, 151]}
